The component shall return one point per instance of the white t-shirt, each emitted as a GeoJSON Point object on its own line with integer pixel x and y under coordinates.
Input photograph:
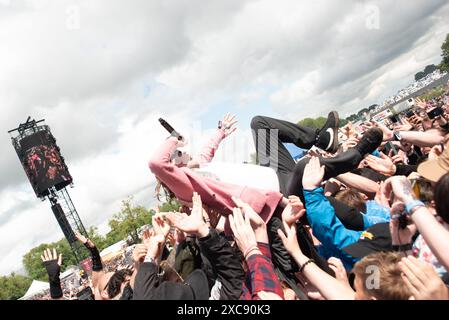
{"type": "Point", "coordinates": [242, 174]}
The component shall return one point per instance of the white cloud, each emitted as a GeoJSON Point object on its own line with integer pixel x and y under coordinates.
{"type": "Point", "coordinates": [102, 71]}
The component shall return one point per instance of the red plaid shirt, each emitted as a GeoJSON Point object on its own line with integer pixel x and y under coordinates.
{"type": "Point", "coordinates": [260, 275]}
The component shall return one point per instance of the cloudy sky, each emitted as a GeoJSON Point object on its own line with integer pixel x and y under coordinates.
{"type": "Point", "coordinates": [101, 72]}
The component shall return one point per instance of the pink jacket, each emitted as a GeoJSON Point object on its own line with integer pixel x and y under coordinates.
{"type": "Point", "coordinates": [214, 194]}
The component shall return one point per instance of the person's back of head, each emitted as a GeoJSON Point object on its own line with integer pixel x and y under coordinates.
{"type": "Point", "coordinates": [352, 198]}
{"type": "Point", "coordinates": [378, 276]}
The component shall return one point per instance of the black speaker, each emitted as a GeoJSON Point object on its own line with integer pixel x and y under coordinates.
{"type": "Point", "coordinates": [63, 223]}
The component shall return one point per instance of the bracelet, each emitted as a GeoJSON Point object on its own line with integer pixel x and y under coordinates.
{"type": "Point", "coordinates": [247, 251]}
{"type": "Point", "coordinates": [305, 264]}
{"type": "Point", "coordinates": [409, 207]}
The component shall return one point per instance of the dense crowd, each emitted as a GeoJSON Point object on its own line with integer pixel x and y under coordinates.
{"type": "Point", "coordinates": [413, 88]}
{"type": "Point", "coordinates": [364, 215]}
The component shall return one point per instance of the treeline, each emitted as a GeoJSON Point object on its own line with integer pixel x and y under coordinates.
{"type": "Point", "coordinates": [123, 225]}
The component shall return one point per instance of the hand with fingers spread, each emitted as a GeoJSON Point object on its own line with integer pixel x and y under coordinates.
{"type": "Point", "coordinates": [52, 262]}
{"type": "Point", "coordinates": [421, 103]}
{"type": "Point", "coordinates": [383, 165]}
{"type": "Point", "coordinates": [293, 211]}
{"type": "Point", "coordinates": [193, 224]}
{"type": "Point", "coordinates": [243, 233]}
{"type": "Point", "coordinates": [257, 223]}
{"type": "Point", "coordinates": [422, 280]}
{"type": "Point", "coordinates": [290, 241]}
{"type": "Point", "coordinates": [313, 174]}
{"type": "Point", "coordinates": [228, 124]}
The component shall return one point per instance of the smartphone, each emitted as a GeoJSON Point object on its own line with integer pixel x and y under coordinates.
{"type": "Point", "coordinates": [438, 111]}
{"type": "Point", "coordinates": [390, 146]}
{"type": "Point", "coordinates": [410, 114]}
{"type": "Point", "coordinates": [393, 119]}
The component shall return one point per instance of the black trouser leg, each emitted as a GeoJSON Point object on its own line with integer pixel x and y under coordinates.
{"type": "Point", "coordinates": [343, 163]}
{"type": "Point", "coordinates": [269, 137]}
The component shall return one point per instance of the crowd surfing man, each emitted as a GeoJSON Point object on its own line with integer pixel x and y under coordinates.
{"type": "Point", "coordinates": [312, 229]}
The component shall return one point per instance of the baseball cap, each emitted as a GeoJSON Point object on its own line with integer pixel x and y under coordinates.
{"type": "Point", "coordinates": [433, 170]}
{"type": "Point", "coordinates": [375, 239]}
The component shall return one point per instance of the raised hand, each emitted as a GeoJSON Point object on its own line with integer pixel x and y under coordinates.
{"type": "Point", "coordinates": [257, 223]}
{"type": "Point", "coordinates": [400, 187]}
{"type": "Point", "coordinates": [290, 240]}
{"type": "Point", "coordinates": [139, 253]}
{"type": "Point", "coordinates": [160, 226]}
{"type": "Point", "coordinates": [153, 243]}
{"type": "Point", "coordinates": [293, 211]}
{"type": "Point", "coordinates": [400, 236]}
{"type": "Point", "coordinates": [383, 165]}
{"type": "Point", "coordinates": [243, 233]}
{"type": "Point", "coordinates": [87, 242]}
{"type": "Point", "coordinates": [313, 174]}
{"type": "Point", "coordinates": [228, 124]}
{"type": "Point", "coordinates": [51, 256]}
{"type": "Point", "coordinates": [340, 272]}
{"type": "Point", "coordinates": [422, 104]}
{"type": "Point", "coordinates": [193, 224]}
{"type": "Point", "coordinates": [422, 280]}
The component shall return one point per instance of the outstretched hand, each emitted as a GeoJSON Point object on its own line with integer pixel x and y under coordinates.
{"type": "Point", "coordinates": [193, 224]}
{"type": "Point", "coordinates": [51, 256]}
{"type": "Point", "coordinates": [228, 124]}
{"type": "Point", "coordinates": [243, 232]}
{"type": "Point", "coordinates": [313, 174]}
{"type": "Point", "coordinates": [257, 223]}
{"type": "Point", "coordinates": [293, 211]}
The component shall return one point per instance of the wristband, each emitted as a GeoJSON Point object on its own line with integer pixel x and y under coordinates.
{"type": "Point", "coordinates": [412, 206]}
{"type": "Point", "coordinates": [305, 264]}
{"type": "Point", "coordinates": [97, 265]}
{"type": "Point", "coordinates": [53, 270]}
{"type": "Point", "coordinates": [403, 247]}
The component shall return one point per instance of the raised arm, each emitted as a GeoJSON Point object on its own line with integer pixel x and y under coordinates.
{"type": "Point", "coordinates": [360, 183]}
{"type": "Point", "coordinates": [435, 235]}
{"type": "Point", "coordinates": [225, 128]}
{"type": "Point", "coordinates": [52, 263]}
{"type": "Point", "coordinates": [329, 287]}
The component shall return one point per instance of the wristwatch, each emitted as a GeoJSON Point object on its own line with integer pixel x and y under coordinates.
{"type": "Point", "coordinates": [412, 206]}
{"type": "Point", "coordinates": [397, 135]}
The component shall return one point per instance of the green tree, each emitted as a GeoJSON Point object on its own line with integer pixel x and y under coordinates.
{"type": "Point", "coordinates": [313, 123]}
{"type": "Point", "coordinates": [33, 263]}
{"type": "Point", "coordinates": [444, 66]}
{"type": "Point", "coordinates": [14, 286]}
{"type": "Point", "coordinates": [126, 223]}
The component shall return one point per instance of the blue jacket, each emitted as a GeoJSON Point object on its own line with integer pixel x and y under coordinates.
{"type": "Point", "coordinates": [328, 229]}
{"type": "Point", "coordinates": [375, 213]}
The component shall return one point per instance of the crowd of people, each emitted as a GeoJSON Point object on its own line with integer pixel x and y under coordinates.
{"type": "Point", "coordinates": [413, 88]}
{"type": "Point", "coordinates": [364, 215]}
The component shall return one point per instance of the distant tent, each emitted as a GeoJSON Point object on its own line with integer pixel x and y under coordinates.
{"type": "Point", "coordinates": [35, 288]}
